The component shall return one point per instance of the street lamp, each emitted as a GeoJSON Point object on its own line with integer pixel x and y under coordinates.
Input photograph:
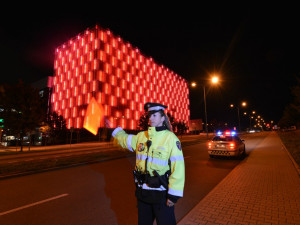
{"type": "Point", "coordinates": [243, 104]}
{"type": "Point", "coordinates": [214, 80]}
{"type": "Point", "coordinates": [250, 117]}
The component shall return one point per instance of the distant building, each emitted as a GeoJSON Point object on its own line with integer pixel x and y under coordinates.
{"type": "Point", "coordinates": [99, 64]}
{"type": "Point", "coordinates": [196, 126]}
{"type": "Point", "coordinates": [45, 89]}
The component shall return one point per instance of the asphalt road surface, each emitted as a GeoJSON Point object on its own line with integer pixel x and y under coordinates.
{"type": "Point", "coordinates": [103, 193]}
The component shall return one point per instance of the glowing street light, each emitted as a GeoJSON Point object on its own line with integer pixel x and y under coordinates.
{"type": "Point", "coordinates": [215, 79]}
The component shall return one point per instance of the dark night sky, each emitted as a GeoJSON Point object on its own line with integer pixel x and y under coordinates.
{"type": "Point", "coordinates": [256, 52]}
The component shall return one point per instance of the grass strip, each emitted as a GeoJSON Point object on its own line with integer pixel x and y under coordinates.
{"type": "Point", "coordinates": [37, 165]}
{"type": "Point", "coordinates": [291, 140]}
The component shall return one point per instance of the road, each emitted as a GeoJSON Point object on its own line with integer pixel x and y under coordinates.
{"type": "Point", "coordinates": [103, 193]}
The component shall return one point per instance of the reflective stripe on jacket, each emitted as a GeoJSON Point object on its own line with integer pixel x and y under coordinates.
{"type": "Point", "coordinates": [165, 154]}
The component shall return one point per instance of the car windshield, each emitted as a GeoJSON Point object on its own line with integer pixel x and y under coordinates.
{"type": "Point", "coordinates": [219, 138]}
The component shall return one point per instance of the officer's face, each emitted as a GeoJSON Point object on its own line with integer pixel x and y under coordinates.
{"type": "Point", "coordinates": [156, 120]}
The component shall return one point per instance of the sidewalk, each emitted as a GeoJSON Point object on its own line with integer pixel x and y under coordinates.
{"type": "Point", "coordinates": [263, 189]}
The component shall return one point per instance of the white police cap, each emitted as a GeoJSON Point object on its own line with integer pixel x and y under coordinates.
{"type": "Point", "coordinates": [154, 107]}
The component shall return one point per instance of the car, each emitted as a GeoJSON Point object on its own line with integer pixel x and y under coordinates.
{"type": "Point", "coordinates": [226, 144]}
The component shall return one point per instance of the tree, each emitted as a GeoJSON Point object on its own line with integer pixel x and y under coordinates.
{"type": "Point", "coordinates": [58, 127]}
{"type": "Point", "coordinates": [296, 92]}
{"type": "Point", "coordinates": [143, 122]}
{"type": "Point", "coordinates": [181, 128]}
{"type": "Point", "coordinates": [291, 114]}
{"type": "Point", "coordinates": [21, 109]}
{"type": "Point", "coordinates": [289, 117]}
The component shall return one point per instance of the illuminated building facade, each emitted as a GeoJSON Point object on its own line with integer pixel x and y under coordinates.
{"type": "Point", "coordinates": [99, 64]}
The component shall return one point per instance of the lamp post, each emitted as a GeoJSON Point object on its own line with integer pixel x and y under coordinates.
{"type": "Point", "coordinates": [250, 118]}
{"type": "Point", "coordinates": [214, 80]}
{"type": "Point", "coordinates": [243, 104]}
{"type": "Point", "coordinates": [204, 96]}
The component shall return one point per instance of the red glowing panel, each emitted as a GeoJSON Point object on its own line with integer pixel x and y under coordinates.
{"type": "Point", "coordinates": [119, 73]}
{"type": "Point", "coordinates": [96, 44]}
{"type": "Point", "coordinates": [137, 115]}
{"type": "Point", "coordinates": [101, 76]}
{"type": "Point", "coordinates": [123, 84]}
{"type": "Point", "coordinates": [107, 88]}
{"type": "Point", "coordinates": [113, 100]}
{"type": "Point", "coordinates": [79, 100]}
{"type": "Point", "coordinates": [124, 49]}
{"type": "Point", "coordinates": [78, 122]}
{"type": "Point", "coordinates": [106, 110]}
{"type": "Point", "coordinates": [128, 95]}
{"type": "Point", "coordinates": [107, 49]}
{"type": "Point", "coordinates": [118, 114]}
{"type": "Point", "coordinates": [74, 113]}
{"type": "Point", "coordinates": [94, 86]}
{"type": "Point", "coordinates": [107, 68]}
{"type": "Point", "coordinates": [124, 66]}
{"type": "Point", "coordinates": [53, 98]}
{"type": "Point", "coordinates": [113, 61]}
{"type": "Point", "coordinates": [102, 56]}
{"type": "Point", "coordinates": [128, 77]}
{"type": "Point", "coordinates": [86, 49]}
{"type": "Point", "coordinates": [118, 92]}
{"type": "Point", "coordinates": [63, 104]}
{"type": "Point", "coordinates": [119, 55]}
{"type": "Point", "coordinates": [132, 87]}
{"type": "Point", "coordinates": [127, 113]}
{"type": "Point", "coordinates": [84, 90]}
{"type": "Point", "coordinates": [113, 80]}
{"type": "Point", "coordinates": [90, 76]}
{"type": "Point", "coordinates": [123, 124]}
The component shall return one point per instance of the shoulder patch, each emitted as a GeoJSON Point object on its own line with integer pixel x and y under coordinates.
{"type": "Point", "coordinates": [178, 145]}
{"type": "Point", "coordinates": [141, 147]}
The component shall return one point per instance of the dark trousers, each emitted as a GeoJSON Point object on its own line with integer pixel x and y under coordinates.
{"type": "Point", "coordinates": [163, 214]}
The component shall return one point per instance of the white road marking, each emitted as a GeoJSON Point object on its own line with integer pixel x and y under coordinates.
{"type": "Point", "coordinates": [33, 204]}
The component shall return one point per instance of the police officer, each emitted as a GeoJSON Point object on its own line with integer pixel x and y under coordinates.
{"type": "Point", "coordinates": [159, 172]}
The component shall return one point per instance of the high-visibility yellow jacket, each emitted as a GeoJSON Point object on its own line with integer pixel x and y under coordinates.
{"type": "Point", "coordinates": [165, 154]}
